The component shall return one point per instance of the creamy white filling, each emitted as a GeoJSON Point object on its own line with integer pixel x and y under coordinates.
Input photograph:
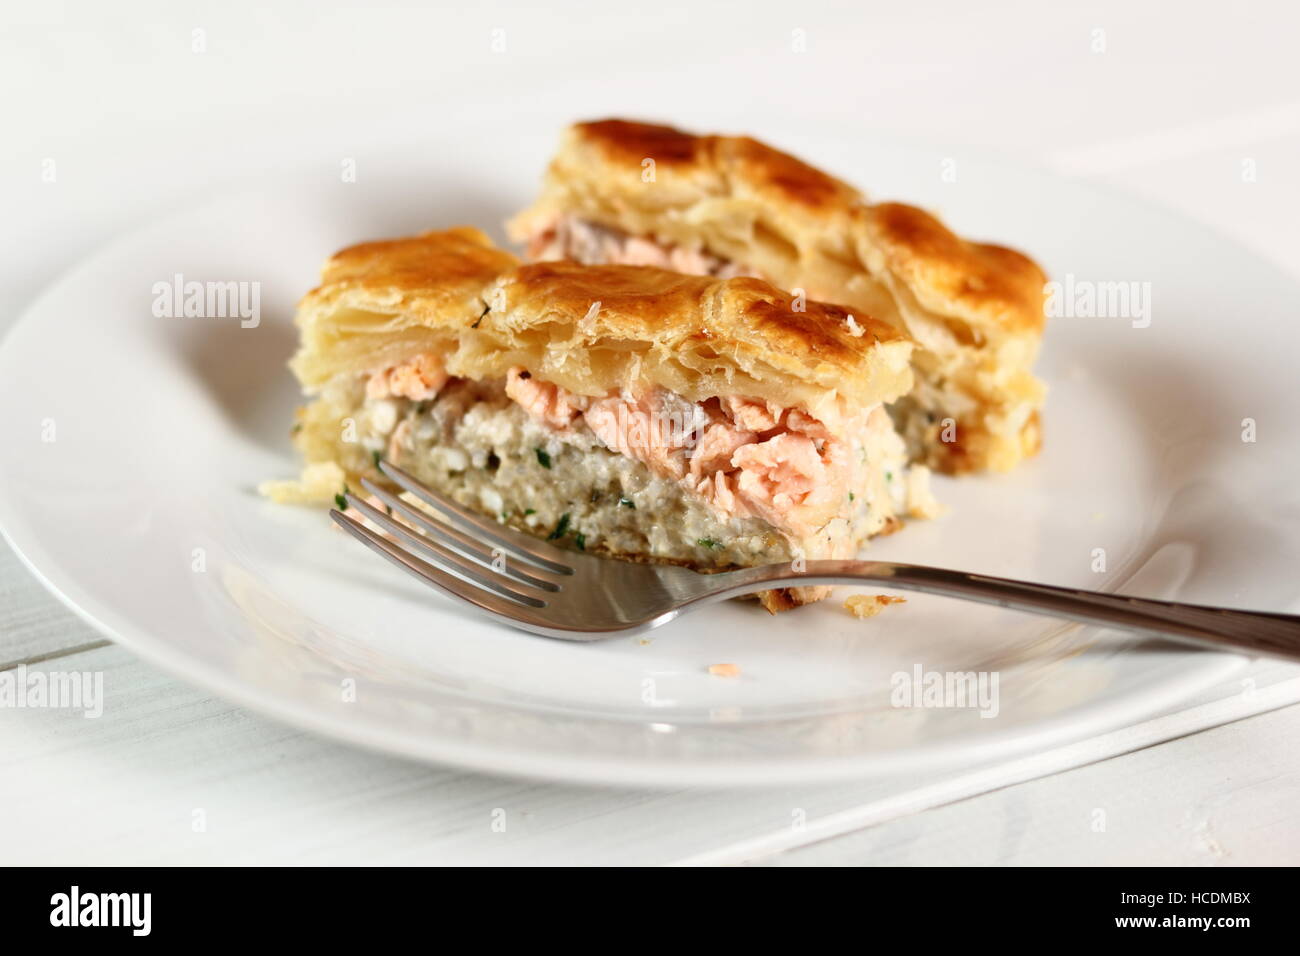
{"type": "Point", "coordinates": [753, 480]}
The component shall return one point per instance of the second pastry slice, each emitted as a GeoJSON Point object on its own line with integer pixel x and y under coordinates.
{"type": "Point", "coordinates": [624, 410]}
{"type": "Point", "coordinates": [621, 191]}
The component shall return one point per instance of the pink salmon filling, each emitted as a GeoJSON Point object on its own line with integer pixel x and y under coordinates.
{"type": "Point", "coordinates": [746, 457]}
{"type": "Point", "coordinates": [571, 237]}
{"type": "Point", "coordinates": [419, 378]}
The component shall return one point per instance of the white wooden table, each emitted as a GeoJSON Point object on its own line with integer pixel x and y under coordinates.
{"type": "Point", "coordinates": [1171, 105]}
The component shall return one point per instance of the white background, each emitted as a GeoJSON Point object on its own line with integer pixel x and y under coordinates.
{"type": "Point", "coordinates": [1168, 101]}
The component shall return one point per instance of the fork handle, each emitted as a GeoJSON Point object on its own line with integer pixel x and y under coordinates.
{"type": "Point", "coordinates": [1223, 629]}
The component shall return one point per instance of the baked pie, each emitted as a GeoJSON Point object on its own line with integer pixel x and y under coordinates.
{"type": "Point", "coordinates": [625, 410]}
{"type": "Point", "coordinates": [721, 206]}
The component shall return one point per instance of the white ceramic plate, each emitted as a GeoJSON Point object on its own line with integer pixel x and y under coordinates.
{"type": "Point", "coordinates": [133, 445]}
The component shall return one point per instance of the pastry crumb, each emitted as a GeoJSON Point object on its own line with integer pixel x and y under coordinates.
{"type": "Point", "coordinates": [921, 502]}
{"type": "Point", "coordinates": [319, 483]}
{"type": "Point", "coordinates": [869, 605]}
{"type": "Point", "coordinates": [724, 670]}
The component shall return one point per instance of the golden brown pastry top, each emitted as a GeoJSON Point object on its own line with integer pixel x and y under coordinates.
{"type": "Point", "coordinates": [982, 283]}
{"type": "Point", "coordinates": [433, 273]}
{"type": "Point", "coordinates": [641, 303]}
{"type": "Point", "coordinates": [751, 204]}
{"type": "Point", "coordinates": [591, 329]}
{"type": "Point", "coordinates": [762, 168]}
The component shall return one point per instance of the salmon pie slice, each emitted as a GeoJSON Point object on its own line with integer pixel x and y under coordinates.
{"type": "Point", "coordinates": [623, 410]}
{"type": "Point", "coordinates": [626, 192]}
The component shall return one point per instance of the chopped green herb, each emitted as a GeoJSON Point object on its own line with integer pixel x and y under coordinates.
{"type": "Point", "coordinates": [296, 428]}
{"type": "Point", "coordinates": [543, 458]}
{"type": "Point", "coordinates": [375, 456]}
{"type": "Point", "coordinates": [850, 496]}
{"type": "Point", "coordinates": [529, 511]}
{"type": "Point", "coordinates": [581, 541]}
{"type": "Point", "coordinates": [708, 543]}
{"type": "Point", "coordinates": [889, 476]}
{"type": "Point", "coordinates": [341, 502]}
{"type": "Point", "coordinates": [561, 529]}
{"type": "Point", "coordinates": [389, 509]}
{"type": "Point", "coordinates": [627, 503]}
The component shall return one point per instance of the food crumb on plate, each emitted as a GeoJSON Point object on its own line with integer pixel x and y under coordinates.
{"type": "Point", "coordinates": [869, 605]}
{"type": "Point", "coordinates": [724, 670]}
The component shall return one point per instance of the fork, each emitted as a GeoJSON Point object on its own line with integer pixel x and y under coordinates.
{"type": "Point", "coordinates": [522, 581]}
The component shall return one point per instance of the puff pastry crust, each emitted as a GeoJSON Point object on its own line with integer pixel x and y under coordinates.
{"type": "Point", "coordinates": [974, 309]}
{"type": "Point", "coordinates": [589, 329]}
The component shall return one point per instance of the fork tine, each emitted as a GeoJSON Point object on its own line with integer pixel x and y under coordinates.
{"type": "Point", "coordinates": [449, 537]}
{"type": "Point", "coordinates": [443, 557]}
{"type": "Point", "coordinates": [431, 574]}
{"type": "Point", "coordinates": [516, 543]}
